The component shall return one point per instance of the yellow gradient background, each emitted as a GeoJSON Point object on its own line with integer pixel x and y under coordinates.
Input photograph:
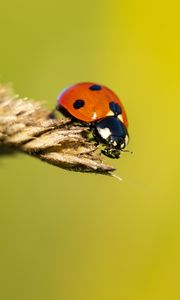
{"type": "Point", "coordinates": [71, 236]}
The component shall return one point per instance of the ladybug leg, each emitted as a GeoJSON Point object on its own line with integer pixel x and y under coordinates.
{"type": "Point", "coordinates": [52, 114]}
{"type": "Point", "coordinates": [111, 152]}
{"type": "Point", "coordinates": [91, 138]}
{"type": "Point", "coordinates": [92, 134]}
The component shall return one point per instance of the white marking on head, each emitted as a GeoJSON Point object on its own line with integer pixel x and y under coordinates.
{"type": "Point", "coordinates": [126, 139]}
{"type": "Point", "coordinates": [110, 113]}
{"type": "Point", "coordinates": [104, 132]}
{"type": "Point", "coordinates": [120, 117]}
{"type": "Point", "coordinates": [114, 143]}
{"type": "Point", "coordinates": [122, 145]}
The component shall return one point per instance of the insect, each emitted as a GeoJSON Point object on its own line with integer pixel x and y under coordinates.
{"type": "Point", "coordinates": [98, 107]}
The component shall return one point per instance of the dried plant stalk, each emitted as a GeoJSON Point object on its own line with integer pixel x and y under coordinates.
{"type": "Point", "coordinates": [25, 126]}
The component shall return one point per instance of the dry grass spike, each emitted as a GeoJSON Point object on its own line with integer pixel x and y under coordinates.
{"type": "Point", "coordinates": [25, 126]}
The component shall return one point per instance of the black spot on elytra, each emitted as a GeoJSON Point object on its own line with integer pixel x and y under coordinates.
{"type": "Point", "coordinates": [95, 87]}
{"type": "Point", "coordinates": [78, 103]}
{"type": "Point", "coordinates": [115, 108]}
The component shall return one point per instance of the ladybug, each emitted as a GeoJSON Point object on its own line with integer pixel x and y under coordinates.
{"type": "Point", "coordinates": [98, 107]}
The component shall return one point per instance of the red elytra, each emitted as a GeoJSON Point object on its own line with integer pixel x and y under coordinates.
{"type": "Point", "coordinates": [95, 99]}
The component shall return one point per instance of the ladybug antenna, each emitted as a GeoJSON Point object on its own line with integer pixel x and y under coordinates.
{"type": "Point", "coordinates": [131, 152]}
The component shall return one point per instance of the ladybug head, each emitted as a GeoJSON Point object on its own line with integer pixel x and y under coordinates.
{"type": "Point", "coordinates": [112, 132]}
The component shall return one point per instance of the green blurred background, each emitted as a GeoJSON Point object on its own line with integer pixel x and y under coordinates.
{"type": "Point", "coordinates": [78, 236]}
